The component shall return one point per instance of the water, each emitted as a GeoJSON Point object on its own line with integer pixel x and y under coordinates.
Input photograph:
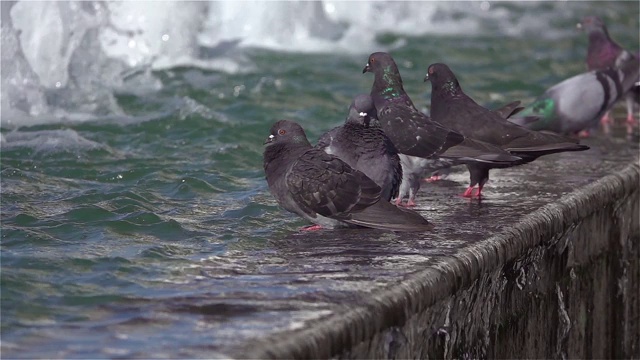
{"type": "Point", "coordinates": [136, 220]}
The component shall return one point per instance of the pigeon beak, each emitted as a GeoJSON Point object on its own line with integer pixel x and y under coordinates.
{"type": "Point", "coordinates": [426, 77]}
{"type": "Point", "coordinates": [269, 140]}
{"type": "Point", "coordinates": [366, 68]}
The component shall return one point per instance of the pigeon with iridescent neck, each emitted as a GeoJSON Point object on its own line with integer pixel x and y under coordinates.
{"type": "Point", "coordinates": [451, 107]}
{"type": "Point", "coordinates": [324, 189]}
{"type": "Point", "coordinates": [577, 103]}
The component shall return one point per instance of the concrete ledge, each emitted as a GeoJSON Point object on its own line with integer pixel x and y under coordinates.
{"type": "Point", "coordinates": [562, 282]}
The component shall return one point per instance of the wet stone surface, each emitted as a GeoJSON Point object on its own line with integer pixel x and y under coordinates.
{"type": "Point", "coordinates": [319, 270]}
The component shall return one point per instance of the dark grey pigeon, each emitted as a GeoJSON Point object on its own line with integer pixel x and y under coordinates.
{"type": "Point", "coordinates": [453, 108]}
{"type": "Point", "coordinates": [324, 189]}
{"type": "Point", "coordinates": [414, 133]}
{"type": "Point", "coordinates": [577, 103]}
{"type": "Point", "coordinates": [365, 147]}
{"type": "Point", "coordinates": [415, 167]}
{"type": "Point", "coordinates": [604, 53]}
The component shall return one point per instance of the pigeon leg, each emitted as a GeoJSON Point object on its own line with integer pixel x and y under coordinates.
{"type": "Point", "coordinates": [311, 228]}
{"type": "Point", "coordinates": [410, 203]}
{"type": "Point", "coordinates": [631, 123]}
{"type": "Point", "coordinates": [584, 134]}
{"type": "Point", "coordinates": [433, 178]}
{"type": "Point", "coordinates": [469, 192]}
{"type": "Point", "coordinates": [398, 201]}
{"type": "Point", "coordinates": [606, 122]}
{"type": "Point", "coordinates": [479, 192]}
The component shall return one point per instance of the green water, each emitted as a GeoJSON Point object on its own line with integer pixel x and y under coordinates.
{"type": "Point", "coordinates": [108, 224]}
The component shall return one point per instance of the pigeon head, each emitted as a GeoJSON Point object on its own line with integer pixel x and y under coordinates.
{"type": "Point", "coordinates": [362, 111]}
{"type": "Point", "coordinates": [378, 61]}
{"type": "Point", "coordinates": [387, 82]}
{"type": "Point", "coordinates": [442, 79]}
{"type": "Point", "coordinates": [591, 24]}
{"type": "Point", "coordinates": [286, 132]}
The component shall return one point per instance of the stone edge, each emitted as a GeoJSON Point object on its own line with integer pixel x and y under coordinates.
{"type": "Point", "coordinates": [392, 306]}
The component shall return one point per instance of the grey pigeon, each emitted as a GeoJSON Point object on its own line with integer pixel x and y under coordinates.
{"type": "Point", "coordinates": [453, 108]}
{"type": "Point", "coordinates": [437, 168]}
{"type": "Point", "coordinates": [603, 53]}
{"type": "Point", "coordinates": [577, 103]}
{"type": "Point", "coordinates": [365, 147]}
{"type": "Point", "coordinates": [414, 133]}
{"type": "Point", "coordinates": [324, 189]}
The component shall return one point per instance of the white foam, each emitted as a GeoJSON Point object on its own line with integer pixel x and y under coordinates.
{"type": "Point", "coordinates": [50, 141]}
{"type": "Point", "coordinates": [69, 57]}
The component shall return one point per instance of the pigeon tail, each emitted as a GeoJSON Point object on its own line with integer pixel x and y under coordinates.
{"type": "Point", "coordinates": [473, 150]}
{"type": "Point", "coordinates": [386, 216]}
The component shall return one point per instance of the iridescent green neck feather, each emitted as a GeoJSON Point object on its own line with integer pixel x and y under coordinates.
{"type": "Point", "coordinates": [391, 86]}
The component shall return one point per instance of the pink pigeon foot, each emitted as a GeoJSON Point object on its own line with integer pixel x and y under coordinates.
{"type": "Point", "coordinates": [584, 134]}
{"type": "Point", "coordinates": [606, 122]}
{"type": "Point", "coordinates": [631, 123]}
{"type": "Point", "coordinates": [311, 228]}
{"type": "Point", "coordinates": [410, 203]}
{"type": "Point", "coordinates": [433, 178]}
{"type": "Point", "coordinates": [468, 193]}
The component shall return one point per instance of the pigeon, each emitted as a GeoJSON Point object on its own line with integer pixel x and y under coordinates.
{"type": "Point", "coordinates": [577, 103]}
{"type": "Point", "coordinates": [365, 147]}
{"type": "Point", "coordinates": [326, 190]}
{"type": "Point", "coordinates": [603, 53]}
{"type": "Point", "coordinates": [414, 133]}
{"type": "Point", "coordinates": [451, 107]}
{"type": "Point", "coordinates": [414, 167]}
{"type": "Point", "coordinates": [442, 167]}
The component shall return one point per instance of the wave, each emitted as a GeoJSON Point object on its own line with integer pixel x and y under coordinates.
{"type": "Point", "coordinates": [65, 60]}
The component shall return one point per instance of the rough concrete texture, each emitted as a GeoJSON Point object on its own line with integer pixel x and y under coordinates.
{"type": "Point", "coordinates": [563, 282]}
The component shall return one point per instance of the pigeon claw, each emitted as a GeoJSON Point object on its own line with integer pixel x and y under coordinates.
{"type": "Point", "coordinates": [468, 193]}
{"type": "Point", "coordinates": [606, 122]}
{"type": "Point", "coordinates": [631, 123]}
{"type": "Point", "coordinates": [584, 134]}
{"type": "Point", "coordinates": [410, 203]}
{"type": "Point", "coordinates": [433, 178]}
{"type": "Point", "coordinates": [311, 228]}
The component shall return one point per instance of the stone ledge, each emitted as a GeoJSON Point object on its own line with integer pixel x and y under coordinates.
{"type": "Point", "coordinates": [420, 317]}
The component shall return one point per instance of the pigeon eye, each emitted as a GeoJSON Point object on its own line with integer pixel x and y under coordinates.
{"type": "Point", "coordinates": [430, 71]}
{"type": "Point", "coordinates": [282, 132]}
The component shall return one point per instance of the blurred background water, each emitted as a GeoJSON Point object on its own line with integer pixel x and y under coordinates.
{"type": "Point", "coordinates": [135, 215]}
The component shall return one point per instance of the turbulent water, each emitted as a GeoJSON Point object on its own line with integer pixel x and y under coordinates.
{"type": "Point", "coordinates": [135, 215]}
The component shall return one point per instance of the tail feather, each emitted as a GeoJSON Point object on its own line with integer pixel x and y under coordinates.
{"type": "Point", "coordinates": [474, 150]}
{"type": "Point", "coordinates": [386, 216]}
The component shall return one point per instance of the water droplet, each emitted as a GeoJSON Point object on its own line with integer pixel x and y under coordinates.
{"type": "Point", "coordinates": [329, 8]}
{"type": "Point", "coordinates": [119, 176]}
{"type": "Point", "coordinates": [165, 37]}
{"type": "Point", "coordinates": [58, 84]}
{"type": "Point", "coordinates": [485, 5]}
{"type": "Point", "coordinates": [132, 43]}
